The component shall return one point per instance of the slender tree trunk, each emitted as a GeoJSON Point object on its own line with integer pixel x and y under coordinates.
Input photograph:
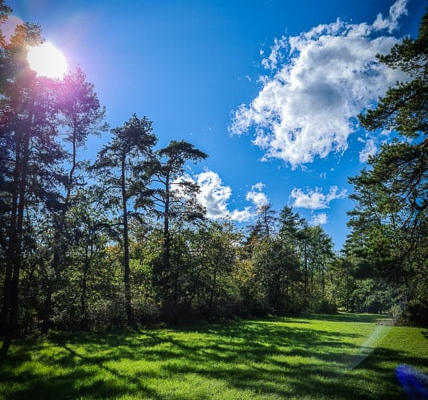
{"type": "Point", "coordinates": [126, 269]}
{"type": "Point", "coordinates": [52, 280]}
{"type": "Point", "coordinates": [11, 249]}
{"type": "Point", "coordinates": [305, 276]}
{"type": "Point", "coordinates": [19, 237]}
{"type": "Point", "coordinates": [7, 290]}
{"type": "Point", "coordinates": [89, 255]}
{"type": "Point", "coordinates": [58, 245]}
{"type": "Point", "coordinates": [165, 277]}
{"type": "Point", "coordinates": [83, 310]}
{"type": "Point", "coordinates": [167, 239]}
{"type": "Point", "coordinates": [47, 306]}
{"type": "Point", "coordinates": [323, 280]}
{"type": "Point", "coordinates": [213, 287]}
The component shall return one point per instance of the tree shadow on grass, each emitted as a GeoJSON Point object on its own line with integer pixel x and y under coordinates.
{"type": "Point", "coordinates": [376, 365]}
{"type": "Point", "coordinates": [298, 362]}
{"type": "Point", "coordinates": [263, 357]}
{"type": "Point", "coordinates": [4, 350]}
{"type": "Point", "coordinates": [69, 374]}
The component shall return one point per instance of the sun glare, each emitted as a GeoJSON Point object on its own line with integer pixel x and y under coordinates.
{"type": "Point", "coordinates": [46, 60]}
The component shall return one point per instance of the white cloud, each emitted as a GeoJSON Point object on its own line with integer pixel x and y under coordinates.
{"type": "Point", "coordinates": [370, 149]}
{"type": "Point", "coordinates": [395, 12]}
{"type": "Point", "coordinates": [214, 196]}
{"type": "Point", "coordinates": [319, 219]}
{"type": "Point", "coordinates": [256, 195]}
{"type": "Point", "coordinates": [308, 107]}
{"type": "Point", "coordinates": [244, 215]}
{"type": "Point", "coordinates": [315, 199]}
{"type": "Point", "coordinates": [276, 54]}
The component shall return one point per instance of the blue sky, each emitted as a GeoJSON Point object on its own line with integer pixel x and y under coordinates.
{"type": "Point", "coordinates": [270, 89]}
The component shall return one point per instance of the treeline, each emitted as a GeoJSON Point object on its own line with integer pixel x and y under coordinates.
{"type": "Point", "coordinates": [122, 240]}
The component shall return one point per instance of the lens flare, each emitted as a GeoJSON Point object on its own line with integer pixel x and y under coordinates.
{"type": "Point", "coordinates": [413, 382]}
{"type": "Point", "coordinates": [47, 60]}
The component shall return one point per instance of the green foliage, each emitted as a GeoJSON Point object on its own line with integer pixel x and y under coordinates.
{"type": "Point", "coordinates": [135, 249]}
{"type": "Point", "coordinates": [391, 196]}
{"type": "Point", "coordinates": [118, 170]}
{"type": "Point", "coordinates": [173, 199]}
{"type": "Point", "coordinates": [404, 107]}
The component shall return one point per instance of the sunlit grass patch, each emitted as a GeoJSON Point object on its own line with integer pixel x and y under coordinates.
{"type": "Point", "coordinates": [319, 357]}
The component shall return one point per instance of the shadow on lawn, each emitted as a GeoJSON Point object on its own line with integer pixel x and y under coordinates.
{"type": "Point", "coordinates": [288, 362]}
{"type": "Point", "coordinates": [80, 376]}
{"type": "Point", "coordinates": [266, 357]}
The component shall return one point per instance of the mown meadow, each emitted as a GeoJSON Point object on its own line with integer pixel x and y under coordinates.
{"type": "Point", "coordinates": [344, 356]}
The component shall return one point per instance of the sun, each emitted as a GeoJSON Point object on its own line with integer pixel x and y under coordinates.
{"type": "Point", "coordinates": [46, 60]}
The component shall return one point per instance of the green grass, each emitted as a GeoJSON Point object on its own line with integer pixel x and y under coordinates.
{"type": "Point", "coordinates": [318, 357]}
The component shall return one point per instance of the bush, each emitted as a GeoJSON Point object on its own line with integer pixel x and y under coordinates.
{"type": "Point", "coordinates": [416, 313]}
{"type": "Point", "coordinates": [108, 314]}
{"type": "Point", "coordinates": [326, 307]}
{"type": "Point", "coordinates": [146, 310]}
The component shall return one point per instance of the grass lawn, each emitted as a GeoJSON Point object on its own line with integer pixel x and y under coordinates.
{"type": "Point", "coordinates": [319, 357]}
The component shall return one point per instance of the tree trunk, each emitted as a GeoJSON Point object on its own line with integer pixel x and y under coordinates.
{"type": "Point", "coordinates": [305, 294]}
{"type": "Point", "coordinates": [47, 307]}
{"type": "Point", "coordinates": [52, 280]}
{"type": "Point", "coordinates": [9, 315]}
{"type": "Point", "coordinates": [166, 278]}
{"type": "Point", "coordinates": [83, 310]}
{"type": "Point", "coordinates": [126, 269]}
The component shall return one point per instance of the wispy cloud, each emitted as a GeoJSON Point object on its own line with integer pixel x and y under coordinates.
{"type": "Point", "coordinates": [319, 82]}
{"type": "Point", "coordinates": [370, 149]}
{"type": "Point", "coordinates": [315, 199]}
{"type": "Point", "coordinates": [215, 196]}
{"type": "Point", "coordinates": [390, 23]}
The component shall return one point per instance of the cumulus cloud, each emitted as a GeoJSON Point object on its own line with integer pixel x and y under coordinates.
{"type": "Point", "coordinates": [215, 196]}
{"type": "Point", "coordinates": [256, 195]}
{"type": "Point", "coordinates": [319, 219]}
{"type": "Point", "coordinates": [319, 82]}
{"type": "Point", "coordinates": [244, 215]}
{"type": "Point", "coordinates": [315, 199]}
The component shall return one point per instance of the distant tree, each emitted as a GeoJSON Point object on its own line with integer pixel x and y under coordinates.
{"type": "Point", "coordinates": [264, 227]}
{"type": "Point", "coordinates": [173, 197]}
{"type": "Point", "coordinates": [90, 234]}
{"type": "Point", "coordinates": [277, 265]}
{"type": "Point", "coordinates": [341, 283]}
{"type": "Point", "coordinates": [213, 252]}
{"type": "Point", "coordinates": [79, 114]}
{"type": "Point", "coordinates": [319, 255]}
{"type": "Point", "coordinates": [266, 221]}
{"type": "Point", "coordinates": [118, 168]}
